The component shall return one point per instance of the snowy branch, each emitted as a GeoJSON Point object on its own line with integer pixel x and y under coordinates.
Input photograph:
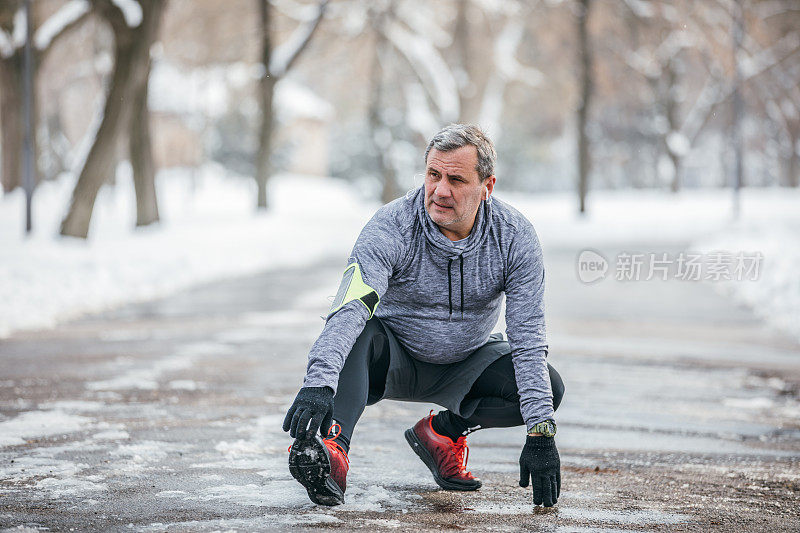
{"type": "Point", "coordinates": [284, 56]}
{"type": "Point", "coordinates": [131, 10]}
{"type": "Point", "coordinates": [772, 8]}
{"type": "Point", "coordinates": [19, 32]}
{"type": "Point", "coordinates": [505, 55]}
{"type": "Point", "coordinates": [761, 64]}
{"type": "Point", "coordinates": [112, 14]}
{"type": "Point", "coordinates": [58, 24]}
{"type": "Point", "coordinates": [640, 8]}
{"type": "Point", "coordinates": [429, 67]}
{"type": "Point", "coordinates": [6, 47]}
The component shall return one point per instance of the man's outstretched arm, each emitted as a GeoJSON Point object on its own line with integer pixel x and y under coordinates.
{"type": "Point", "coordinates": [375, 254]}
{"type": "Point", "coordinates": [525, 321]}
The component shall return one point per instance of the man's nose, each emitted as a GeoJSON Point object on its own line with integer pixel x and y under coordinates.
{"type": "Point", "coordinates": [442, 189]}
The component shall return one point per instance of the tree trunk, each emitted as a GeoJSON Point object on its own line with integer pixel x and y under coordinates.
{"type": "Point", "coordinates": [141, 146]}
{"type": "Point", "coordinates": [671, 113]}
{"type": "Point", "coordinates": [583, 107]}
{"type": "Point", "coordinates": [379, 133]}
{"type": "Point", "coordinates": [266, 94]}
{"type": "Point", "coordinates": [792, 170]}
{"type": "Point", "coordinates": [467, 93]}
{"type": "Point", "coordinates": [11, 115]}
{"type": "Point", "coordinates": [141, 153]}
{"type": "Point", "coordinates": [264, 167]}
{"type": "Point", "coordinates": [131, 69]}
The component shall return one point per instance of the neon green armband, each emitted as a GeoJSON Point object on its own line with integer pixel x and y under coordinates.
{"type": "Point", "coordinates": [354, 288]}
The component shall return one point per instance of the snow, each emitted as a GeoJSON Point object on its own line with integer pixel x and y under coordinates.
{"type": "Point", "coordinates": [701, 221]}
{"type": "Point", "coordinates": [6, 47]}
{"type": "Point", "coordinates": [678, 143]}
{"type": "Point", "coordinates": [775, 296]}
{"type": "Point", "coordinates": [208, 92]}
{"type": "Point", "coordinates": [295, 100]}
{"type": "Point", "coordinates": [20, 29]}
{"type": "Point", "coordinates": [54, 25]}
{"type": "Point", "coordinates": [429, 66]}
{"type": "Point", "coordinates": [37, 424]}
{"type": "Point", "coordinates": [201, 90]}
{"type": "Point", "coordinates": [640, 8]}
{"type": "Point", "coordinates": [209, 230]}
{"type": "Point", "coordinates": [131, 10]}
{"type": "Point", "coordinates": [284, 53]}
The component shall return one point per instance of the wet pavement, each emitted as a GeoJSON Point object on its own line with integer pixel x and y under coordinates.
{"type": "Point", "coordinates": [681, 413]}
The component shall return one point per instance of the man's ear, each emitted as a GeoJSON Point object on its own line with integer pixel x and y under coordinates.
{"type": "Point", "coordinates": [489, 184]}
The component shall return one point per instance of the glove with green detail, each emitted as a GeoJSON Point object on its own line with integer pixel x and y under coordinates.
{"type": "Point", "coordinates": [540, 463]}
{"type": "Point", "coordinates": [314, 405]}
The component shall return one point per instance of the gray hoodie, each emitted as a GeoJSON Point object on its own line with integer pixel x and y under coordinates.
{"type": "Point", "coordinates": [441, 300]}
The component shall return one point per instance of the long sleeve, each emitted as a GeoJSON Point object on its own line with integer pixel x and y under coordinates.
{"type": "Point", "coordinates": [525, 325]}
{"type": "Point", "coordinates": [377, 251]}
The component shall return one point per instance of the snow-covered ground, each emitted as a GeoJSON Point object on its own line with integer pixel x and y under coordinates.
{"type": "Point", "coordinates": [210, 230]}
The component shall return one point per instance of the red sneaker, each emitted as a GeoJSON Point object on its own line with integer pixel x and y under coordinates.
{"type": "Point", "coordinates": [447, 460]}
{"type": "Point", "coordinates": [321, 466]}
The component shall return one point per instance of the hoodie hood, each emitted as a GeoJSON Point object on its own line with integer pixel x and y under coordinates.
{"type": "Point", "coordinates": [479, 233]}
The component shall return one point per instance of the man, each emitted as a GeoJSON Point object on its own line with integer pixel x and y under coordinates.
{"type": "Point", "coordinates": [412, 321]}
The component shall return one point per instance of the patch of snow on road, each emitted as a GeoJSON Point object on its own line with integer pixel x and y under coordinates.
{"type": "Point", "coordinates": [60, 487]}
{"type": "Point", "coordinates": [112, 434]}
{"type": "Point", "coordinates": [631, 517]}
{"type": "Point", "coordinates": [281, 494]}
{"type": "Point", "coordinates": [40, 424]}
{"type": "Point", "coordinates": [148, 378]}
{"type": "Point", "coordinates": [375, 498]}
{"type": "Point", "coordinates": [183, 384]}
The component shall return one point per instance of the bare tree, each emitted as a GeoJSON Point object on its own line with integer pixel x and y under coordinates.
{"type": "Point", "coordinates": [708, 35]}
{"type": "Point", "coordinates": [12, 38]}
{"type": "Point", "coordinates": [586, 85]}
{"type": "Point", "coordinates": [276, 63]}
{"type": "Point", "coordinates": [482, 84]}
{"type": "Point", "coordinates": [127, 85]}
{"type": "Point", "coordinates": [379, 133]}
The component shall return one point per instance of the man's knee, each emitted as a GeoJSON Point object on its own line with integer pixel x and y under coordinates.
{"type": "Point", "coordinates": [557, 386]}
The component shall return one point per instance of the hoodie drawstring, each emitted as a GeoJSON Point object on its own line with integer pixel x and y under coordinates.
{"type": "Point", "coordinates": [450, 285]}
{"type": "Point", "coordinates": [462, 285]}
{"type": "Point", "coordinates": [450, 288]}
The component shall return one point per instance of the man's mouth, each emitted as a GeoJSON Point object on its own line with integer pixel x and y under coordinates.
{"type": "Point", "coordinates": [442, 206]}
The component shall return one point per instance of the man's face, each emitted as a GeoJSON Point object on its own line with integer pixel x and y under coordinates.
{"type": "Point", "coordinates": [453, 190]}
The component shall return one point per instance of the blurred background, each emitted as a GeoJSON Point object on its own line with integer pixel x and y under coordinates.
{"type": "Point", "coordinates": [168, 124]}
{"type": "Point", "coordinates": [183, 181]}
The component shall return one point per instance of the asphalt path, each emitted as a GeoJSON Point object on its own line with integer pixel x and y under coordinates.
{"type": "Point", "coordinates": [681, 413]}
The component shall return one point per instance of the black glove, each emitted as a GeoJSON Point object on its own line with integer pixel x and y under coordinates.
{"type": "Point", "coordinates": [313, 404]}
{"type": "Point", "coordinates": [540, 461]}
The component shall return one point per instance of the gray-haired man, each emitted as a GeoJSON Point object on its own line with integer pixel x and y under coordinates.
{"type": "Point", "coordinates": [412, 320]}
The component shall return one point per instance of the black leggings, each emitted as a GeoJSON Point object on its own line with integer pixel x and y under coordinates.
{"type": "Point", "coordinates": [363, 379]}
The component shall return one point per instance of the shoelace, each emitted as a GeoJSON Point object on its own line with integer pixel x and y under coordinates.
{"type": "Point", "coordinates": [461, 450]}
{"type": "Point", "coordinates": [336, 444]}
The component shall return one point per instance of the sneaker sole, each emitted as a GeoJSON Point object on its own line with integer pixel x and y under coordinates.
{"type": "Point", "coordinates": [427, 458]}
{"type": "Point", "coordinates": [310, 464]}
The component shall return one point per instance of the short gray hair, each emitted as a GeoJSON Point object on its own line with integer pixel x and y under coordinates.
{"type": "Point", "coordinates": [455, 136]}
